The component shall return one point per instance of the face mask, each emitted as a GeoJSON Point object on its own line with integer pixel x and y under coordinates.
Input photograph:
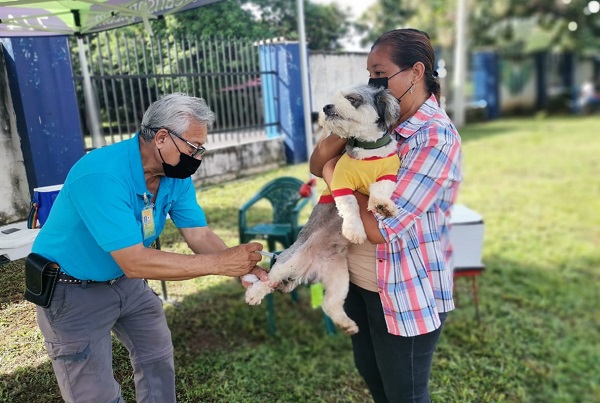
{"type": "Point", "coordinates": [185, 168]}
{"type": "Point", "coordinates": [379, 82]}
{"type": "Point", "coordinates": [382, 81]}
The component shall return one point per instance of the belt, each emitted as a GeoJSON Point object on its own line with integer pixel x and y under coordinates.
{"type": "Point", "coordinates": [66, 279]}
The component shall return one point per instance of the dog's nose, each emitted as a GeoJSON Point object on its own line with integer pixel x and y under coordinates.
{"type": "Point", "coordinates": [328, 109]}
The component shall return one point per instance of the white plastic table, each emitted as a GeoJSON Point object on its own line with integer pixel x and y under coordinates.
{"type": "Point", "coordinates": [15, 241]}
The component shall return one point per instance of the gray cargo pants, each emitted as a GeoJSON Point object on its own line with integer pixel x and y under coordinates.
{"type": "Point", "coordinates": [76, 329]}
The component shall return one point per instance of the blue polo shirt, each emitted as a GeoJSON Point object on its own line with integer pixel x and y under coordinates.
{"type": "Point", "coordinates": [99, 210]}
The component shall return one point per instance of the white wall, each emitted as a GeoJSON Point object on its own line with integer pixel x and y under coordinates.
{"type": "Point", "coordinates": [14, 188]}
{"type": "Point", "coordinates": [330, 72]}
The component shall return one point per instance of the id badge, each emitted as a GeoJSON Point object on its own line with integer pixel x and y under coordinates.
{"type": "Point", "coordinates": [148, 222]}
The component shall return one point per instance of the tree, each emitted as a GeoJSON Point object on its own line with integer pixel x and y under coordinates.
{"type": "Point", "coordinates": [539, 25]}
{"type": "Point", "coordinates": [383, 16]}
{"type": "Point", "coordinates": [326, 25]}
{"type": "Point", "coordinates": [510, 26]}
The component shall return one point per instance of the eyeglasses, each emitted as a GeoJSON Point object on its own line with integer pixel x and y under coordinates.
{"type": "Point", "coordinates": [198, 151]}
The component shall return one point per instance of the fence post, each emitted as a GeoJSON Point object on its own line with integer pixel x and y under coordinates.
{"type": "Point", "coordinates": [568, 78]}
{"type": "Point", "coordinates": [486, 81]}
{"type": "Point", "coordinates": [43, 95]}
{"type": "Point", "coordinates": [541, 73]}
{"type": "Point", "coordinates": [282, 97]}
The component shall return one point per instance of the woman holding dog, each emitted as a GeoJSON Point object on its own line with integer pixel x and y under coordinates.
{"type": "Point", "coordinates": [401, 280]}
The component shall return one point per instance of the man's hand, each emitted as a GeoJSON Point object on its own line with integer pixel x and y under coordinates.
{"type": "Point", "coordinates": [239, 260]}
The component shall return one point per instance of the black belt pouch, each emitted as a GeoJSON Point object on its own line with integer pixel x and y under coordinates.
{"type": "Point", "coordinates": [40, 279]}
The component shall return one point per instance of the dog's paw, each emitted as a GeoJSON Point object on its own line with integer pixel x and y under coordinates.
{"type": "Point", "coordinates": [256, 292]}
{"type": "Point", "coordinates": [348, 326]}
{"type": "Point", "coordinates": [351, 330]}
{"type": "Point", "coordinates": [386, 208]}
{"type": "Point", "coordinates": [354, 233]}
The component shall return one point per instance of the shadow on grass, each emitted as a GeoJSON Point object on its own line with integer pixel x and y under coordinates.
{"type": "Point", "coordinates": [533, 341]}
{"type": "Point", "coordinates": [223, 352]}
{"type": "Point", "coordinates": [12, 284]}
{"type": "Point", "coordinates": [476, 131]}
{"type": "Point", "coordinates": [532, 344]}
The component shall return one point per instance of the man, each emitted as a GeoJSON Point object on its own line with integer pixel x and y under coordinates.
{"type": "Point", "coordinates": [112, 207]}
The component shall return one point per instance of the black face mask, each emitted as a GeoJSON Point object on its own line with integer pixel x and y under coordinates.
{"type": "Point", "coordinates": [185, 168]}
{"type": "Point", "coordinates": [378, 82]}
{"type": "Point", "coordinates": [382, 81]}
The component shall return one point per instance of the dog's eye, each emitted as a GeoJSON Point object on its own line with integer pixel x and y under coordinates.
{"type": "Point", "coordinates": [354, 100]}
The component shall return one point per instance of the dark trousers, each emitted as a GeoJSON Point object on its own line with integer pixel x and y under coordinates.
{"type": "Point", "coordinates": [395, 368]}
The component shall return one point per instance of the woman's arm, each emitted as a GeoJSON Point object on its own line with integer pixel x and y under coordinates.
{"type": "Point", "coordinates": [325, 150]}
{"type": "Point", "coordinates": [369, 221]}
{"type": "Point", "coordinates": [431, 163]}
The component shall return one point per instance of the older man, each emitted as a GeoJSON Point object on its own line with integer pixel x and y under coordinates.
{"type": "Point", "coordinates": [112, 206]}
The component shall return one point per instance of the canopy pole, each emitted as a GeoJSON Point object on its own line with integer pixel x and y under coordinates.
{"type": "Point", "coordinates": [305, 82]}
{"type": "Point", "coordinates": [91, 107]}
{"type": "Point", "coordinates": [460, 64]}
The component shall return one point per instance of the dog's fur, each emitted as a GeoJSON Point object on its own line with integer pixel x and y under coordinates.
{"type": "Point", "coordinates": [319, 253]}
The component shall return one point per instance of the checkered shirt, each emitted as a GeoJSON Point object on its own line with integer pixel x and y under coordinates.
{"type": "Point", "coordinates": [414, 265]}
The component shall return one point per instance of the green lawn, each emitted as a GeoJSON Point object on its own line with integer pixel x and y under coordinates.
{"type": "Point", "coordinates": [536, 182]}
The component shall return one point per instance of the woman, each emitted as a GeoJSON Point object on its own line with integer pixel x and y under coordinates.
{"type": "Point", "coordinates": [401, 302]}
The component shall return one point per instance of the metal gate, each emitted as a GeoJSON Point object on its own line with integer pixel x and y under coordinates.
{"type": "Point", "coordinates": [129, 71]}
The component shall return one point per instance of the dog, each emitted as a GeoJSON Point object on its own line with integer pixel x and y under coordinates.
{"type": "Point", "coordinates": [364, 115]}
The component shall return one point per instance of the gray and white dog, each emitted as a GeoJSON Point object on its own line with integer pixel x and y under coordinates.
{"type": "Point", "coordinates": [364, 115]}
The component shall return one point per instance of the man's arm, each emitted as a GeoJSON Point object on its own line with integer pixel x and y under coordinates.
{"type": "Point", "coordinates": [138, 261]}
{"type": "Point", "coordinates": [202, 240]}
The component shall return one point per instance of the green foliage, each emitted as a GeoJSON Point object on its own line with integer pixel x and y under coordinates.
{"type": "Point", "coordinates": [511, 26]}
{"type": "Point", "coordinates": [520, 27]}
{"type": "Point", "coordinates": [533, 180]}
{"type": "Point", "coordinates": [325, 24]}
{"type": "Point", "coordinates": [221, 19]}
{"type": "Point", "coordinates": [383, 16]}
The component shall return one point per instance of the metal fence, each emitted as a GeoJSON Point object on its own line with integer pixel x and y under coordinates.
{"type": "Point", "coordinates": [128, 72]}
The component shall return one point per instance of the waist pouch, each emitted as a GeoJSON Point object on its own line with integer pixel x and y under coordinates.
{"type": "Point", "coordinates": [41, 276]}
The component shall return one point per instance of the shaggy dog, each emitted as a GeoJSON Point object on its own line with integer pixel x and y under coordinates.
{"type": "Point", "coordinates": [364, 115]}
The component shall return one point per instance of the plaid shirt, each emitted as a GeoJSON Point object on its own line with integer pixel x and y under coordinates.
{"type": "Point", "coordinates": [414, 266]}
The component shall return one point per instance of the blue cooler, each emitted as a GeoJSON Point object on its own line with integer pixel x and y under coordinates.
{"type": "Point", "coordinates": [44, 197]}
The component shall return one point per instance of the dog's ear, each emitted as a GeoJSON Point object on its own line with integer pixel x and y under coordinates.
{"type": "Point", "coordinates": [388, 109]}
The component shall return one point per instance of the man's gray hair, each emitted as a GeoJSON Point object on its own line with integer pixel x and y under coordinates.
{"type": "Point", "coordinates": [174, 112]}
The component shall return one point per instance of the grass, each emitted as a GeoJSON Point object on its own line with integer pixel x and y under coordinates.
{"type": "Point", "coordinates": [535, 182]}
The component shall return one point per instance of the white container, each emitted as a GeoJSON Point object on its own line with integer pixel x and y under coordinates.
{"type": "Point", "coordinates": [466, 234]}
{"type": "Point", "coordinates": [16, 241]}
